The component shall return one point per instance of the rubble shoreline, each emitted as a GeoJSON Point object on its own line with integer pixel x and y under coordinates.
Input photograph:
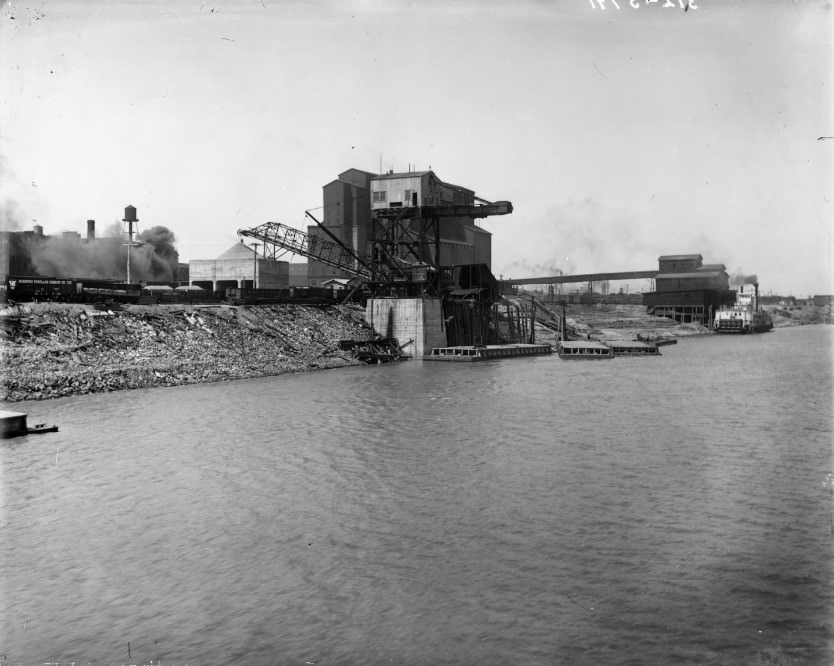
{"type": "Point", "coordinates": [53, 350]}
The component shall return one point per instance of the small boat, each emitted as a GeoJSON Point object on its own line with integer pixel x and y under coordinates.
{"type": "Point", "coordinates": [40, 428]}
{"type": "Point", "coordinates": [584, 349]}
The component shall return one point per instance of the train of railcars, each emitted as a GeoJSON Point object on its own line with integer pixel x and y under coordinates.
{"type": "Point", "coordinates": [68, 290]}
{"type": "Point", "coordinates": [300, 295]}
{"type": "Point", "coordinates": [27, 289]}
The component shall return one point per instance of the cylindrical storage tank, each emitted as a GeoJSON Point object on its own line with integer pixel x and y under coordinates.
{"type": "Point", "coordinates": [130, 214]}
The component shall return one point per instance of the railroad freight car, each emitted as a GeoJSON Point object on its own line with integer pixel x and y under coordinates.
{"type": "Point", "coordinates": [300, 295]}
{"type": "Point", "coordinates": [68, 290]}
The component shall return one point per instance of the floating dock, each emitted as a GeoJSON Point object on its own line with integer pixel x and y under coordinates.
{"type": "Point", "coordinates": [486, 353]}
{"type": "Point", "coordinates": [13, 424]}
{"type": "Point", "coordinates": [588, 349]}
{"type": "Point", "coordinates": [633, 348]}
{"type": "Point", "coordinates": [591, 349]}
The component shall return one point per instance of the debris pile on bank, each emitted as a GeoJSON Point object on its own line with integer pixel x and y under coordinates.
{"type": "Point", "coordinates": [52, 350]}
{"type": "Point", "coordinates": [610, 321]}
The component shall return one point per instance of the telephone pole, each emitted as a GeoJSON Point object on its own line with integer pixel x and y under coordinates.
{"type": "Point", "coordinates": [255, 246]}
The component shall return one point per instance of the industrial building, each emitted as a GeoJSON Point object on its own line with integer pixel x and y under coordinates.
{"type": "Point", "coordinates": [412, 241]}
{"type": "Point", "coordinates": [687, 290]}
{"type": "Point", "coordinates": [354, 202]}
{"type": "Point", "coordinates": [32, 253]}
{"type": "Point", "coordinates": [20, 250]}
{"type": "Point", "coordinates": [240, 266]}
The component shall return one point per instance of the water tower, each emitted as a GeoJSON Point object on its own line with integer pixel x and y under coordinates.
{"type": "Point", "coordinates": [130, 218]}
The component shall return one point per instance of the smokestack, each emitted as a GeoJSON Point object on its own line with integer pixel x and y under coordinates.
{"type": "Point", "coordinates": [91, 230]}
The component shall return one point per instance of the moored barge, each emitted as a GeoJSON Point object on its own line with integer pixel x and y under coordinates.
{"type": "Point", "coordinates": [633, 348]}
{"type": "Point", "coordinates": [466, 353]}
{"type": "Point", "coordinates": [584, 349]}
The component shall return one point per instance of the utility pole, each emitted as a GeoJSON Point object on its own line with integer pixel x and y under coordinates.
{"type": "Point", "coordinates": [255, 246]}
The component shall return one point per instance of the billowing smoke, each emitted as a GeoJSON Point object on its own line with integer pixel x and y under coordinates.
{"type": "Point", "coordinates": [524, 268]}
{"type": "Point", "coordinates": [737, 279]}
{"type": "Point", "coordinates": [580, 236]}
{"type": "Point", "coordinates": [163, 255]}
{"type": "Point", "coordinates": [105, 258]}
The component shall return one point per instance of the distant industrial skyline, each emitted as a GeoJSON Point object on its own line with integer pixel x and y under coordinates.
{"type": "Point", "coordinates": [619, 134]}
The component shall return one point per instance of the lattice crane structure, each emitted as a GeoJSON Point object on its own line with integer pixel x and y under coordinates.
{"type": "Point", "coordinates": [404, 245]}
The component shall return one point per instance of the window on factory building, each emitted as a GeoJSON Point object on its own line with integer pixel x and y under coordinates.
{"type": "Point", "coordinates": [379, 197]}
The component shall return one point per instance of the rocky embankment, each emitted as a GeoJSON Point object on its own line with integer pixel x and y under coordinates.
{"type": "Point", "coordinates": [799, 315]}
{"type": "Point", "coordinates": [54, 350]}
{"type": "Point", "coordinates": [606, 322]}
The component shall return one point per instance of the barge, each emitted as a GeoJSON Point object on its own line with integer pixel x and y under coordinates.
{"type": "Point", "coordinates": [465, 353]}
{"type": "Point", "coordinates": [633, 348]}
{"type": "Point", "coordinates": [584, 349]}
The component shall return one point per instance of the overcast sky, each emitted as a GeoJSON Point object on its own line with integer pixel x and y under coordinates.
{"type": "Point", "coordinates": [619, 135]}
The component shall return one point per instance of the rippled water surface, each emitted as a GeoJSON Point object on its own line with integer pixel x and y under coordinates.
{"type": "Point", "coordinates": [671, 510]}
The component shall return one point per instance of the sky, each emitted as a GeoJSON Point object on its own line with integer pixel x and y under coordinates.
{"type": "Point", "coordinates": [620, 131]}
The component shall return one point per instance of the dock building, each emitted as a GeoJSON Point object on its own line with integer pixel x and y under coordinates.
{"type": "Point", "coordinates": [687, 290]}
{"type": "Point", "coordinates": [355, 198]}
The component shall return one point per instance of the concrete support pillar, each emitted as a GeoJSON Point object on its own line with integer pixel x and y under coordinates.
{"type": "Point", "coordinates": [417, 319]}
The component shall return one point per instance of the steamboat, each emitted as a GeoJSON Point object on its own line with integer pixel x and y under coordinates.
{"type": "Point", "coordinates": [745, 315]}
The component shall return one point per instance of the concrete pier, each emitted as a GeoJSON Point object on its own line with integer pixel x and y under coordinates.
{"type": "Point", "coordinates": [417, 319]}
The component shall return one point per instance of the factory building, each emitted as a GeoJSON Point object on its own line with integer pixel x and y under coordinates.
{"type": "Point", "coordinates": [15, 257]}
{"type": "Point", "coordinates": [72, 256]}
{"type": "Point", "coordinates": [461, 241]}
{"type": "Point", "coordinates": [19, 250]}
{"type": "Point", "coordinates": [351, 200]}
{"type": "Point", "coordinates": [298, 274]}
{"type": "Point", "coordinates": [240, 266]}
{"type": "Point", "coordinates": [687, 290]}
{"type": "Point", "coordinates": [347, 216]}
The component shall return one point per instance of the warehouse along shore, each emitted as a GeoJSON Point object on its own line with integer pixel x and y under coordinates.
{"type": "Point", "coordinates": [52, 350]}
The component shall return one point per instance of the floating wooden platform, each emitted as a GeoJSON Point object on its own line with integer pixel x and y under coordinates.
{"type": "Point", "coordinates": [13, 424]}
{"type": "Point", "coordinates": [591, 349]}
{"type": "Point", "coordinates": [486, 353]}
{"type": "Point", "coordinates": [633, 348]}
{"type": "Point", "coordinates": [585, 349]}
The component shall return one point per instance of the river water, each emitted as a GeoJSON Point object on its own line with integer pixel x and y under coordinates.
{"type": "Point", "coordinates": [671, 510]}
